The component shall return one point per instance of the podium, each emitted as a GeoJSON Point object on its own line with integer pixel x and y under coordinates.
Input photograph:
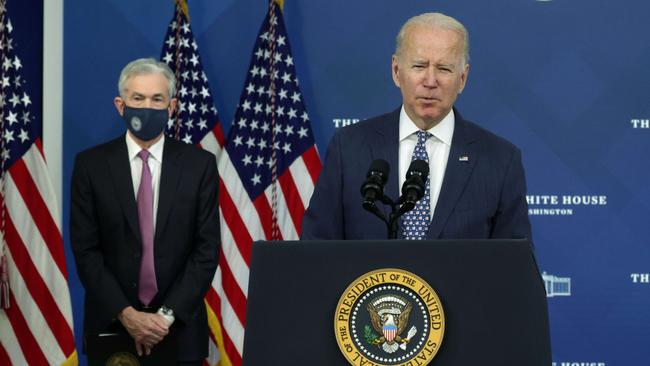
{"type": "Point", "coordinates": [491, 291]}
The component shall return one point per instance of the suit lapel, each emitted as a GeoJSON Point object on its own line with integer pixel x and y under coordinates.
{"type": "Point", "coordinates": [462, 158]}
{"type": "Point", "coordinates": [383, 146]}
{"type": "Point", "coordinates": [118, 162]}
{"type": "Point", "coordinates": [169, 177]}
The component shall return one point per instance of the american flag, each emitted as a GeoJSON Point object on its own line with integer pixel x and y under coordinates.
{"type": "Point", "coordinates": [268, 167]}
{"type": "Point", "coordinates": [36, 328]}
{"type": "Point", "coordinates": [195, 121]}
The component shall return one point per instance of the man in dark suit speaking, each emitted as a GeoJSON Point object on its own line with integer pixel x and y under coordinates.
{"type": "Point", "coordinates": [144, 223]}
{"type": "Point", "coordinates": [475, 187]}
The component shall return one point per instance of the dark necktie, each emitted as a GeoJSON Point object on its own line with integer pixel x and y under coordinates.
{"type": "Point", "coordinates": [148, 287]}
{"type": "Point", "coordinates": [416, 221]}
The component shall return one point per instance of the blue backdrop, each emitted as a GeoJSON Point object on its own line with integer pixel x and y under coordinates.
{"type": "Point", "coordinates": [565, 80]}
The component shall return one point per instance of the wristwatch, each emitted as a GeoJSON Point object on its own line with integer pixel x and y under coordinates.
{"type": "Point", "coordinates": [167, 313]}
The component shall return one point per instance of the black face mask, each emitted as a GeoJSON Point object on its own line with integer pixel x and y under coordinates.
{"type": "Point", "coordinates": [145, 123]}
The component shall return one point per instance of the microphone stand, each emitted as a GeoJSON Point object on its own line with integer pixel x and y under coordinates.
{"type": "Point", "coordinates": [396, 212]}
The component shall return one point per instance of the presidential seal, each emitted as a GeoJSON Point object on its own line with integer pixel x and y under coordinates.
{"type": "Point", "coordinates": [122, 359]}
{"type": "Point", "coordinates": [389, 317]}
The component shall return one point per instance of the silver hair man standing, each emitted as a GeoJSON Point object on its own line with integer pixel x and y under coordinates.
{"type": "Point", "coordinates": [144, 223]}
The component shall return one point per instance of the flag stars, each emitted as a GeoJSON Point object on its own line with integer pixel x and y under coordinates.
{"type": "Point", "coordinates": [280, 111]}
{"type": "Point", "coordinates": [183, 91]}
{"type": "Point", "coordinates": [6, 64]}
{"type": "Point", "coordinates": [26, 119]}
{"type": "Point", "coordinates": [250, 88]}
{"type": "Point", "coordinates": [254, 125]}
{"type": "Point", "coordinates": [5, 154]}
{"type": "Point", "coordinates": [237, 140]}
{"type": "Point", "coordinates": [170, 43]}
{"type": "Point", "coordinates": [282, 94]}
{"type": "Point", "coordinates": [23, 136]}
{"type": "Point", "coordinates": [17, 64]}
{"type": "Point", "coordinates": [289, 130]}
{"type": "Point", "coordinates": [191, 108]}
{"type": "Point", "coordinates": [246, 105]}
{"type": "Point", "coordinates": [286, 77]}
{"type": "Point", "coordinates": [185, 43]}
{"type": "Point", "coordinates": [242, 122]}
{"type": "Point", "coordinates": [9, 136]}
{"type": "Point", "coordinates": [12, 118]}
{"type": "Point", "coordinates": [277, 129]}
{"type": "Point", "coordinates": [257, 179]}
{"type": "Point", "coordinates": [265, 127]}
{"type": "Point", "coordinates": [5, 81]}
{"type": "Point", "coordinates": [305, 116]}
{"type": "Point", "coordinates": [286, 148]}
{"type": "Point", "coordinates": [260, 90]}
{"type": "Point", "coordinates": [187, 139]}
{"type": "Point", "coordinates": [282, 40]}
{"type": "Point", "coordinates": [302, 132]}
{"type": "Point", "coordinates": [205, 93]}
{"type": "Point", "coordinates": [204, 108]}
{"type": "Point", "coordinates": [295, 97]}
{"type": "Point", "coordinates": [259, 52]}
{"type": "Point", "coordinates": [194, 60]}
{"type": "Point", "coordinates": [259, 161]}
{"type": "Point", "coordinates": [255, 71]}
{"type": "Point", "coordinates": [262, 144]}
{"type": "Point", "coordinates": [203, 124]}
{"type": "Point", "coordinates": [168, 58]}
{"type": "Point", "coordinates": [247, 160]}
{"type": "Point", "coordinates": [185, 27]}
{"type": "Point", "coordinates": [257, 108]}
{"type": "Point", "coordinates": [14, 100]}
{"type": "Point", "coordinates": [250, 142]}
{"type": "Point", "coordinates": [292, 113]}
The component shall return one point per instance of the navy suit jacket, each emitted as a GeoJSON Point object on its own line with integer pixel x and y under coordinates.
{"type": "Point", "coordinates": [105, 238]}
{"type": "Point", "coordinates": [482, 196]}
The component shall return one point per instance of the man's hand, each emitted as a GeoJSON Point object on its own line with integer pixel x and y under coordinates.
{"type": "Point", "coordinates": [146, 329]}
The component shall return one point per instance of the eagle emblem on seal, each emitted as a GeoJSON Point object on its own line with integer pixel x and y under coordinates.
{"type": "Point", "coordinates": [389, 316]}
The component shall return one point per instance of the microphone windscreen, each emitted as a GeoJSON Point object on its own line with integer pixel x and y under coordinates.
{"type": "Point", "coordinates": [419, 167]}
{"type": "Point", "coordinates": [379, 166]}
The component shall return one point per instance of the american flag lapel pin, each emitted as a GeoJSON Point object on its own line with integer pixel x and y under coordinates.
{"type": "Point", "coordinates": [463, 158]}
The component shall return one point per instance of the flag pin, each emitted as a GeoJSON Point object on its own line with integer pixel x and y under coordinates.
{"type": "Point", "coordinates": [463, 158]}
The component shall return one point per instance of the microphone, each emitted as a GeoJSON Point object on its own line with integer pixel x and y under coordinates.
{"type": "Point", "coordinates": [372, 188]}
{"type": "Point", "coordinates": [413, 188]}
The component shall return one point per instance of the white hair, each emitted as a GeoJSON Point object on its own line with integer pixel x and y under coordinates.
{"type": "Point", "coordinates": [146, 66]}
{"type": "Point", "coordinates": [434, 20]}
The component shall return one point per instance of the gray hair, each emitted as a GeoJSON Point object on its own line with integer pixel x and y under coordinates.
{"type": "Point", "coordinates": [146, 66]}
{"type": "Point", "coordinates": [434, 20]}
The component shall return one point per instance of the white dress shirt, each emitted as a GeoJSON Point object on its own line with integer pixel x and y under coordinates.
{"type": "Point", "coordinates": [437, 146]}
{"type": "Point", "coordinates": [155, 166]}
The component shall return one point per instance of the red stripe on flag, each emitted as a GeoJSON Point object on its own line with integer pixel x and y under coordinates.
{"type": "Point", "coordinates": [266, 215]}
{"type": "Point", "coordinates": [215, 303]}
{"type": "Point", "coordinates": [38, 289]}
{"type": "Point", "coordinates": [39, 212]}
{"type": "Point", "coordinates": [31, 350]}
{"type": "Point", "coordinates": [312, 162]}
{"type": "Point", "coordinates": [231, 289]}
{"type": "Point", "coordinates": [4, 356]}
{"type": "Point", "coordinates": [235, 223]}
{"type": "Point", "coordinates": [218, 133]}
{"type": "Point", "coordinates": [293, 199]}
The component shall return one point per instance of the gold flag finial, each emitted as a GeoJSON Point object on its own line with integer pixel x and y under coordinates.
{"type": "Point", "coordinates": [280, 3]}
{"type": "Point", "coordinates": [183, 6]}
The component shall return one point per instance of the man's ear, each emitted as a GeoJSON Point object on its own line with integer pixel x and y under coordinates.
{"type": "Point", "coordinates": [119, 105]}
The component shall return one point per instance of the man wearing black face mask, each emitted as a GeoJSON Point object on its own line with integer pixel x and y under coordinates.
{"type": "Point", "coordinates": [144, 223]}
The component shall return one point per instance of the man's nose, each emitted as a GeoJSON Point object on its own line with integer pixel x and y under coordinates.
{"type": "Point", "coordinates": [430, 77]}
